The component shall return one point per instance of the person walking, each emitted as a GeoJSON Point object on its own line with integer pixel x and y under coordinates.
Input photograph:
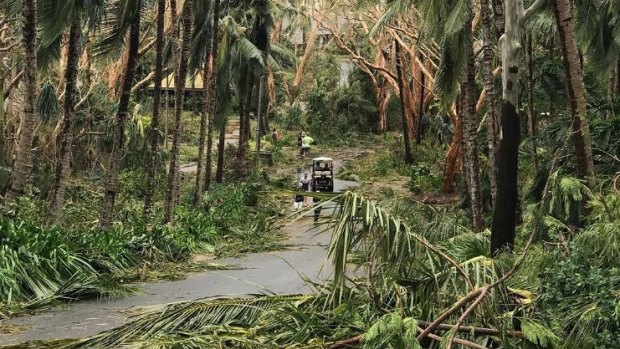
{"type": "Point", "coordinates": [306, 141]}
{"type": "Point", "coordinates": [317, 209]}
{"type": "Point", "coordinates": [275, 136]}
{"type": "Point", "coordinates": [298, 201]}
{"type": "Point", "coordinates": [305, 186]}
{"type": "Point", "coordinates": [300, 138]}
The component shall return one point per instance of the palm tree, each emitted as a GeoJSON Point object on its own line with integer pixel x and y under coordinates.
{"type": "Point", "coordinates": [470, 136]}
{"type": "Point", "coordinates": [179, 92]}
{"type": "Point", "coordinates": [504, 213]}
{"type": "Point", "coordinates": [203, 175]}
{"type": "Point", "coordinates": [65, 138]}
{"type": "Point", "coordinates": [23, 155]}
{"type": "Point", "coordinates": [125, 15]}
{"type": "Point", "coordinates": [492, 100]}
{"type": "Point", "coordinates": [54, 17]}
{"type": "Point", "coordinates": [151, 165]}
{"type": "Point", "coordinates": [576, 90]}
{"type": "Point", "coordinates": [406, 131]}
{"type": "Point", "coordinates": [213, 89]}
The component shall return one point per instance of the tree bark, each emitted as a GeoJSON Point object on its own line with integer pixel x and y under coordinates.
{"type": "Point", "coordinates": [205, 118]}
{"type": "Point", "coordinates": [301, 67]}
{"type": "Point", "coordinates": [151, 165]}
{"type": "Point", "coordinates": [532, 125]}
{"type": "Point", "coordinates": [179, 92]}
{"type": "Point", "coordinates": [498, 13]}
{"type": "Point", "coordinates": [420, 125]}
{"type": "Point", "coordinates": [453, 154]}
{"type": "Point", "coordinates": [213, 88]}
{"type": "Point", "coordinates": [492, 100]}
{"type": "Point", "coordinates": [244, 117]}
{"type": "Point", "coordinates": [504, 214]}
{"type": "Point", "coordinates": [403, 107]}
{"type": "Point", "coordinates": [65, 138]}
{"type": "Point", "coordinates": [23, 157]}
{"type": "Point", "coordinates": [221, 148]}
{"type": "Point", "coordinates": [118, 145]}
{"type": "Point", "coordinates": [576, 90]}
{"type": "Point", "coordinates": [471, 139]}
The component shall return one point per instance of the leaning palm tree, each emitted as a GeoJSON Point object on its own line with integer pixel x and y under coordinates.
{"type": "Point", "coordinates": [123, 16]}
{"type": "Point", "coordinates": [23, 155]}
{"type": "Point", "coordinates": [179, 92]}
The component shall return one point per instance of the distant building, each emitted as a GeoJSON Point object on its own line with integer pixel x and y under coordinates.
{"type": "Point", "coordinates": [194, 86]}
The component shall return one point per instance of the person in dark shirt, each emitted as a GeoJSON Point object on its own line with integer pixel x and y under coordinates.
{"type": "Point", "coordinates": [305, 186]}
{"type": "Point", "coordinates": [317, 210]}
{"type": "Point", "coordinates": [298, 201]}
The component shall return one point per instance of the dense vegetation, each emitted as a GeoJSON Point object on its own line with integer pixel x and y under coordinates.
{"type": "Point", "coordinates": [483, 135]}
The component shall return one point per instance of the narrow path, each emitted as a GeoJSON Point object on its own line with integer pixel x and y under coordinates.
{"type": "Point", "coordinates": [278, 272]}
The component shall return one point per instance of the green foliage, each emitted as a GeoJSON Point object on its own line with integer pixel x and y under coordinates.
{"type": "Point", "coordinates": [47, 103]}
{"type": "Point", "coordinates": [42, 264]}
{"type": "Point", "coordinates": [423, 179]}
{"type": "Point", "coordinates": [392, 331]}
{"type": "Point", "coordinates": [583, 299]}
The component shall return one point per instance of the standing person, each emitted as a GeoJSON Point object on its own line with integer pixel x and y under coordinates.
{"type": "Point", "coordinates": [300, 138]}
{"type": "Point", "coordinates": [306, 141]}
{"type": "Point", "coordinates": [299, 199]}
{"type": "Point", "coordinates": [317, 210]}
{"type": "Point", "coordinates": [275, 136]}
{"type": "Point", "coordinates": [305, 186]}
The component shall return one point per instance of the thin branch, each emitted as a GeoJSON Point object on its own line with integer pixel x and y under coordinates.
{"type": "Point", "coordinates": [472, 307]}
{"type": "Point", "coordinates": [461, 303]}
{"type": "Point", "coordinates": [526, 14]}
{"type": "Point", "coordinates": [347, 342]}
{"type": "Point", "coordinates": [457, 341]}
{"type": "Point", "coordinates": [12, 84]}
{"type": "Point", "coordinates": [9, 48]}
{"type": "Point", "coordinates": [480, 331]}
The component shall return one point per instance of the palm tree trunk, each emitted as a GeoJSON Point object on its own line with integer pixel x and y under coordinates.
{"type": "Point", "coordinates": [179, 92]}
{"type": "Point", "coordinates": [153, 151]}
{"type": "Point", "coordinates": [420, 125]}
{"type": "Point", "coordinates": [453, 153]}
{"type": "Point", "coordinates": [403, 105]}
{"type": "Point", "coordinates": [205, 119]}
{"type": "Point", "coordinates": [23, 156]}
{"type": "Point", "coordinates": [65, 138]}
{"type": "Point", "coordinates": [219, 174]}
{"type": "Point", "coordinates": [504, 214]}
{"type": "Point", "coordinates": [244, 116]}
{"type": "Point", "coordinates": [212, 102]}
{"type": "Point", "coordinates": [118, 145]}
{"type": "Point", "coordinates": [492, 100]}
{"type": "Point", "coordinates": [532, 125]}
{"type": "Point", "coordinates": [498, 14]}
{"type": "Point", "coordinates": [471, 139]}
{"type": "Point", "coordinates": [215, 33]}
{"type": "Point", "coordinates": [576, 90]}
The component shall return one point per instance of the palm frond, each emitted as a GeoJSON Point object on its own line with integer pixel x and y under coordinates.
{"type": "Point", "coordinates": [188, 317]}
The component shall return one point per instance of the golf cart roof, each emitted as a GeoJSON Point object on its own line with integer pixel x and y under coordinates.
{"type": "Point", "coordinates": [322, 159]}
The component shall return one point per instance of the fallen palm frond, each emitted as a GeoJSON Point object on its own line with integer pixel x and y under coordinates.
{"type": "Point", "coordinates": [191, 317]}
{"type": "Point", "coordinates": [389, 244]}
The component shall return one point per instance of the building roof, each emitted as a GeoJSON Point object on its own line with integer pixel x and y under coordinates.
{"type": "Point", "coordinates": [192, 83]}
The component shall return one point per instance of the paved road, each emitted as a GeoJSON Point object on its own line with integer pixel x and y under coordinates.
{"type": "Point", "coordinates": [279, 272]}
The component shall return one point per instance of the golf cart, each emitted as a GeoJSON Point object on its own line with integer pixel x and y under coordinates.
{"type": "Point", "coordinates": [322, 174]}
